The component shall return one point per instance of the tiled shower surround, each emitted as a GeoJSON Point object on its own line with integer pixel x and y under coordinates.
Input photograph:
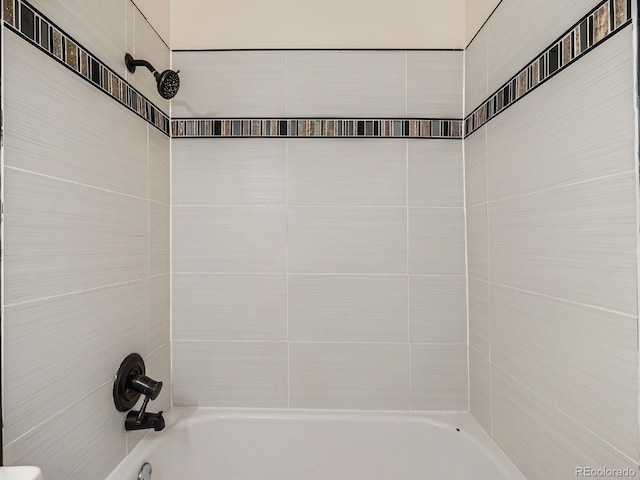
{"type": "Point", "coordinates": [325, 231]}
{"type": "Point", "coordinates": [319, 272]}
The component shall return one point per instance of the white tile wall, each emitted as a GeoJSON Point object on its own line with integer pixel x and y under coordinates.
{"type": "Point", "coordinates": [144, 43]}
{"type": "Point", "coordinates": [477, 243]}
{"type": "Point", "coordinates": [229, 172]}
{"type": "Point", "coordinates": [84, 150]}
{"type": "Point", "coordinates": [347, 172]}
{"type": "Point", "coordinates": [230, 374]}
{"type": "Point", "coordinates": [436, 241]}
{"type": "Point", "coordinates": [475, 159]}
{"type": "Point", "coordinates": [435, 169]}
{"type": "Point", "coordinates": [308, 242]}
{"type": "Point", "coordinates": [249, 239]}
{"type": "Point", "coordinates": [218, 84]}
{"type": "Point", "coordinates": [84, 179]}
{"type": "Point", "coordinates": [159, 233]}
{"type": "Point", "coordinates": [229, 307]}
{"type": "Point", "coordinates": [543, 441]}
{"type": "Point", "coordinates": [479, 318]}
{"type": "Point", "coordinates": [434, 84]}
{"type": "Point", "coordinates": [519, 30]}
{"type": "Point", "coordinates": [475, 72]}
{"type": "Point", "coordinates": [574, 143]}
{"type": "Point", "coordinates": [65, 447]}
{"type": "Point", "coordinates": [346, 83]}
{"type": "Point", "coordinates": [439, 377]}
{"type": "Point", "coordinates": [437, 309]}
{"type": "Point", "coordinates": [349, 376]}
{"type": "Point", "coordinates": [63, 237]}
{"type": "Point", "coordinates": [339, 308]}
{"type": "Point", "coordinates": [347, 240]}
{"type": "Point", "coordinates": [98, 26]}
{"type": "Point", "coordinates": [480, 388]}
{"type": "Point", "coordinates": [553, 350]}
{"type": "Point", "coordinates": [577, 242]}
{"type": "Point", "coordinates": [563, 351]}
{"type": "Point", "coordinates": [91, 333]}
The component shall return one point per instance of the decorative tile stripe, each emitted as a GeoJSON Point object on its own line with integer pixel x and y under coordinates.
{"type": "Point", "coordinates": [24, 20]}
{"type": "Point", "coordinates": [601, 23]}
{"type": "Point", "coordinates": [316, 128]}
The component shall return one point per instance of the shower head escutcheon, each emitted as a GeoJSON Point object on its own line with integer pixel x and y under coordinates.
{"type": "Point", "coordinates": [168, 81]}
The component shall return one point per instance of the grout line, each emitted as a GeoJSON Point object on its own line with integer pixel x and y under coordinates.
{"type": "Point", "coordinates": [280, 205]}
{"type": "Point", "coordinates": [466, 267]}
{"type": "Point", "coordinates": [319, 274]}
{"type": "Point", "coordinates": [561, 299]}
{"type": "Point", "coordinates": [407, 150]}
{"type": "Point", "coordinates": [559, 187]}
{"type": "Point", "coordinates": [320, 342]}
{"type": "Point", "coordinates": [549, 403]}
{"type": "Point", "coordinates": [286, 201]}
{"type": "Point", "coordinates": [60, 412]}
{"type": "Point", "coordinates": [93, 187]}
{"type": "Point", "coordinates": [76, 292]}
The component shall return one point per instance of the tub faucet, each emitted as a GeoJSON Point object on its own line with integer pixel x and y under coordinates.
{"type": "Point", "coordinates": [131, 383]}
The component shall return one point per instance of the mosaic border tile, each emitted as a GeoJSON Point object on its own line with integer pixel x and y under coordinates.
{"type": "Point", "coordinates": [602, 22]}
{"type": "Point", "coordinates": [316, 128]}
{"type": "Point", "coordinates": [31, 25]}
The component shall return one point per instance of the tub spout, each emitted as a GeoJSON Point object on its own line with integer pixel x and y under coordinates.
{"type": "Point", "coordinates": [135, 421]}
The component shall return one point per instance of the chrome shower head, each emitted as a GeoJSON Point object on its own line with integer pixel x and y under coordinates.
{"type": "Point", "coordinates": [168, 81]}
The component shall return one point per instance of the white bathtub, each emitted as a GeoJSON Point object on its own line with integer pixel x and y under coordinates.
{"type": "Point", "coordinates": [214, 444]}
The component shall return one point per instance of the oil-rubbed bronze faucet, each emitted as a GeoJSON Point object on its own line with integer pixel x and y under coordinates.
{"type": "Point", "coordinates": [129, 384]}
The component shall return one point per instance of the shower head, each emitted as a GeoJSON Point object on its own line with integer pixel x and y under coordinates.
{"type": "Point", "coordinates": [168, 82]}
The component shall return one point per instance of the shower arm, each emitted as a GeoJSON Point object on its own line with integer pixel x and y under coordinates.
{"type": "Point", "coordinates": [132, 64]}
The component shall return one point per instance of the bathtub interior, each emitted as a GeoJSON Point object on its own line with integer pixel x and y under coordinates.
{"type": "Point", "coordinates": [271, 445]}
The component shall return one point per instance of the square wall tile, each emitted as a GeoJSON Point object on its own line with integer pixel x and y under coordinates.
{"type": "Point", "coordinates": [437, 309]}
{"type": "Point", "coordinates": [63, 237]}
{"type": "Point", "coordinates": [250, 83]}
{"type": "Point", "coordinates": [230, 374]}
{"type": "Point", "coordinates": [434, 84]}
{"type": "Point", "coordinates": [346, 83]}
{"type": "Point", "coordinates": [347, 240]}
{"type": "Point", "coordinates": [436, 241]}
{"type": "Point", "coordinates": [347, 172]}
{"type": "Point", "coordinates": [439, 377]}
{"type": "Point", "coordinates": [349, 376]}
{"type": "Point", "coordinates": [220, 171]}
{"type": "Point", "coordinates": [436, 173]}
{"type": "Point", "coordinates": [229, 307]}
{"type": "Point", "coordinates": [348, 308]}
{"type": "Point", "coordinates": [229, 239]}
